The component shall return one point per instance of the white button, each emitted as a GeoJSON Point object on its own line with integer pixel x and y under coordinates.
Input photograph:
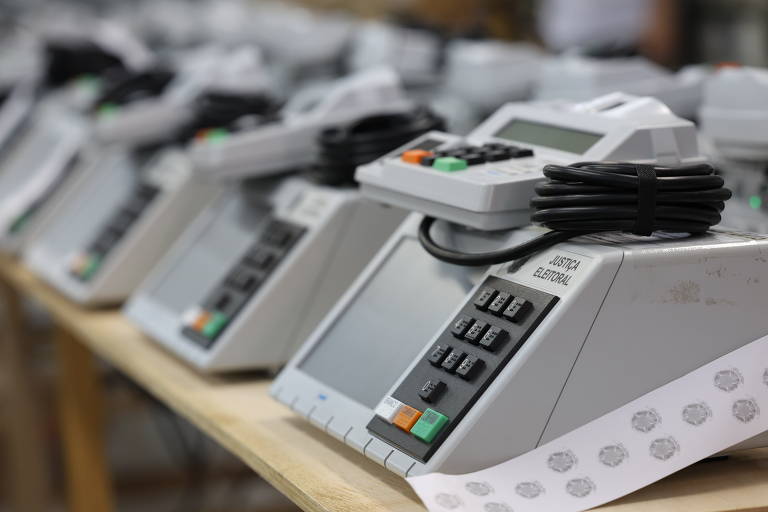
{"type": "Point", "coordinates": [388, 408]}
{"type": "Point", "coordinates": [190, 316]}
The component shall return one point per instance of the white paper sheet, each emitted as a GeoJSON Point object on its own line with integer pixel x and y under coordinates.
{"type": "Point", "coordinates": [698, 415]}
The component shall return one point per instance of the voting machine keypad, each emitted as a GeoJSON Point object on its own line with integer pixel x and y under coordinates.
{"type": "Point", "coordinates": [464, 156]}
{"type": "Point", "coordinates": [204, 324]}
{"type": "Point", "coordinates": [480, 340]}
{"type": "Point", "coordinates": [87, 263]}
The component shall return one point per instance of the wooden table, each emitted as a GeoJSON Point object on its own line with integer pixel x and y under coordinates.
{"type": "Point", "coordinates": [311, 468]}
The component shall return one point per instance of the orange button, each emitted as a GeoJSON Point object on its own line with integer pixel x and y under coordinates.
{"type": "Point", "coordinates": [201, 135]}
{"type": "Point", "coordinates": [201, 320]}
{"type": "Point", "coordinates": [407, 417]}
{"type": "Point", "coordinates": [414, 156]}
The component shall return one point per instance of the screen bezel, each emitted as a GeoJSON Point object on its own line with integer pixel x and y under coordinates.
{"type": "Point", "coordinates": [373, 273]}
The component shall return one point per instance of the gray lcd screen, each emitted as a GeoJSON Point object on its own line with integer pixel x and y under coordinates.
{"type": "Point", "coordinates": [231, 227]}
{"type": "Point", "coordinates": [549, 135]}
{"type": "Point", "coordinates": [387, 324]}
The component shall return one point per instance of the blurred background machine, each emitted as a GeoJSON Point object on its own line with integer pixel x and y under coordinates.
{"type": "Point", "coordinates": [226, 296]}
{"type": "Point", "coordinates": [138, 193]}
{"type": "Point", "coordinates": [734, 131]}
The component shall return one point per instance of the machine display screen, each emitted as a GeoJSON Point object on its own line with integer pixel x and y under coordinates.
{"type": "Point", "coordinates": [396, 313]}
{"type": "Point", "coordinates": [230, 230]}
{"type": "Point", "coordinates": [551, 136]}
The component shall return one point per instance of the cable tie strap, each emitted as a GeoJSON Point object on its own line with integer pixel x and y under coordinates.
{"type": "Point", "coordinates": [646, 200]}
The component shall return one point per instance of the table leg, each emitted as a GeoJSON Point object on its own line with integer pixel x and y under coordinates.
{"type": "Point", "coordinates": [27, 474]}
{"type": "Point", "coordinates": [81, 412]}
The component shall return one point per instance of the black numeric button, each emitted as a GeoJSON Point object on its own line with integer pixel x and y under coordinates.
{"type": "Point", "coordinates": [474, 158]}
{"type": "Point", "coordinates": [122, 221]}
{"type": "Point", "coordinates": [498, 155]}
{"type": "Point", "coordinates": [278, 236]}
{"type": "Point", "coordinates": [431, 390]}
{"type": "Point", "coordinates": [469, 367]}
{"type": "Point", "coordinates": [517, 310]}
{"type": "Point", "coordinates": [146, 191]}
{"type": "Point", "coordinates": [260, 258]}
{"type": "Point", "coordinates": [485, 297]}
{"type": "Point", "coordinates": [106, 241]}
{"type": "Point", "coordinates": [243, 279]}
{"type": "Point", "coordinates": [520, 152]}
{"type": "Point", "coordinates": [437, 355]}
{"type": "Point", "coordinates": [427, 161]}
{"type": "Point", "coordinates": [462, 325]}
{"type": "Point", "coordinates": [476, 332]}
{"type": "Point", "coordinates": [494, 338]}
{"type": "Point", "coordinates": [453, 360]}
{"type": "Point", "coordinates": [500, 303]}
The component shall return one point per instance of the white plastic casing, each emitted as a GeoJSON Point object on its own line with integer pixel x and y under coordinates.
{"type": "Point", "coordinates": [577, 78]}
{"type": "Point", "coordinates": [415, 54]}
{"type": "Point", "coordinates": [35, 166]}
{"type": "Point", "coordinates": [514, 67]}
{"type": "Point", "coordinates": [734, 113]}
{"type": "Point", "coordinates": [14, 111]}
{"type": "Point", "coordinates": [496, 195]}
{"type": "Point", "coordinates": [573, 368]}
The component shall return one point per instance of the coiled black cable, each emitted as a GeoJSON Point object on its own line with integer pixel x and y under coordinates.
{"type": "Point", "coordinates": [344, 148]}
{"type": "Point", "coordinates": [594, 197]}
{"type": "Point", "coordinates": [127, 86]}
{"type": "Point", "coordinates": [216, 109]}
{"type": "Point", "coordinates": [67, 59]}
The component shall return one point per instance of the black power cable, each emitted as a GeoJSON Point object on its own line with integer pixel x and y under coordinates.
{"type": "Point", "coordinates": [210, 111]}
{"type": "Point", "coordinates": [344, 148]}
{"type": "Point", "coordinates": [594, 197]}
{"type": "Point", "coordinates": [217, 109]}
{"type": "Point", "coordinates": [126, 86]}
{"type": "Point", "coordinates": [66, 60]}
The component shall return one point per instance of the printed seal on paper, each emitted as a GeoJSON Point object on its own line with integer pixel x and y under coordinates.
{"type": "Point", "coordinates": [529, 490]}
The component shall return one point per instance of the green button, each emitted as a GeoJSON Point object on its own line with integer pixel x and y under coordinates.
{"type": "Point", "coordinates": [88, 81]}
{"type": "Point", "coordinates": [216, 135]}
{"type": "Point", "coordinates": [429, 425]}
{"type": "Point", "coordinates": [19, 223]}
{"type": "Point", "coordinates": [214, 326]}
{"type": "Point", "coordinates": [449, 164]}
{"type": "Point", "coordinates": [108, 110]}
{"type": "Point", "coordinates": [94, 262]}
